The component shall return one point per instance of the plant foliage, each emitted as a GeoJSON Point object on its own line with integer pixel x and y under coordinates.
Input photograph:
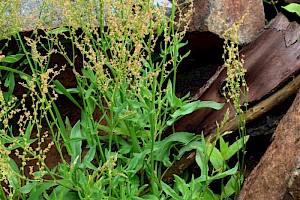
{"type": "Point", "coordinates": [124, 57]}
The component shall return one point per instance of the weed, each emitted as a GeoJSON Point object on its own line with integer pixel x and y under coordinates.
{"type": "Point", "coordinates": [235, 90]}
{"type": "Point", "coordinates": [129, 54]}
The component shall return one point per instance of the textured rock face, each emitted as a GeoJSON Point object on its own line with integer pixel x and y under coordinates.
{"type": "Point", "coordinates": [31, 10]}
{"type": "Point", "coordinates": [209, 15]}
{"type": "Point", "coordinates": [217, 16]}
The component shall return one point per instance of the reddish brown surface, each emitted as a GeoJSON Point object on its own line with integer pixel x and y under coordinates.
{"type": "Point", "coordinates": [268, 61]}
{"type": "Point", "coordinates": [272, 176]}
{"type": "Point", "coordinates": [217, 16]}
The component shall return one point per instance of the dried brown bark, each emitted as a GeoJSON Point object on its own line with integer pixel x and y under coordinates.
{"type": "Point", "coordinates": [262, 107]}
{"type": "Point", "coordinates": [270, 178]}
{"type": "Point", "coordinates": [232, 125]}
{"type": "Point", "coordinates": [270, 61]}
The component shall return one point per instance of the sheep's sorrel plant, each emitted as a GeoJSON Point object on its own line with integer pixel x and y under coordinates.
{"type": "Point", "coordinates": [124, 57]}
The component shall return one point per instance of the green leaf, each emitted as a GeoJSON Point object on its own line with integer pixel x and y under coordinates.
{"type": "Point", "coordinates": [90, 154]}
{"type": "Point", "coordinates": [87, 93]}
{"type": "Point", "coordinates": [146, 93]}
{"type": "Point", "coordinates": [191, 107]}
{"type": "Point", "coordinates": [230, 188]}
{"type": "Point", "coordinates": [42, 187]}
{"type": "Point", "coordinates": [82, 180]}
{"type": "Point", "coordinates": [223, 146]}
{"type": "Point", "coordinates": [14, 166]}
{"type": "Point", "coordinates": [208, 194]}
{"type": "Point", "coordinates": [175, 48]}
{"type": "Point", "coordinates": [182, 44]}
{"type": "Point", "coordinates": [201, 157]}
{"type": "Point", "coordinates": [181, 185]}
{"type": "Point", "coordinates": [137, 104]}
{"type": "Point", "coordinates": [235, 147]}
{"type": "Point", "coordinates": [201, 162]}
{"type": "Point", "coordinates": [70, 90]}
{"type": "Point", "coordinates": [162, 148]}
{"type": "Point", "coordinates": [226, 173]}
{"type": "Point", "coordinates": [39, 173]}
{"type": "Point", "coordinates": [215, 157]}
{"type": "Point", "coordinates": [13, 181]}
{"type": "Point", "coordinates": [28, 131]}
{"type": "Point", "coordinates": [182, 137]}
{"type": "Point", "coordinates": [107, 129]}
{"type": "Point", "coordinates": [88, 73]}
{"type": "Point", "coordinates": [22, 74]}
{"type": "Point", "coordinates": [188, 147]}
{"type": "Point", "coordinates": [47, 197]}
{"type": "Point", "coordinates": [150, 197]}
{"type": "Point", "coordinates": [125, 148]}
{"type": "Point", "coordinates": [21, 142]}
{"type": "Point", "coordinates": [147, 65]}
{"type": "Point", "coordinates": [136, 198]}
{"type": "Point", "coordinates": [136, 163]}
{"type": "Point", "coordinates": [58, 30]}
{"type": "Point", "coordinates": [169, 191]}
{"type": "Point", "coordinates": [89, 157]}
{"type": "Point", "coordinates": [185, 55]}
{"type": "Point", "coordinates": [75, 139]}
{"type": "Point", "coordinates": [59, 192]}
{"type": "Point", "coordinates": [173, 100]}
{"type": "Point", "coordinates": [293, 7]}
{"type": "Point", "coordinates": [112, 69]}
{"type": "Point", "coordinates": [71, 196]}
{"type": "Point", "coordinates": [61, 89]}
{"type": "Point", "coordinates": [62, 127]}
{"type": "Point", "coordinates": [12, 58]}
{"type": "Point", "coordinates": [28, 187]}
{"type": "Point", "coordinates": [10, 83]}
{"type": "Point", "coordinates": [76, 145]}
{"type": "Point", "coordinates": [65, 182]}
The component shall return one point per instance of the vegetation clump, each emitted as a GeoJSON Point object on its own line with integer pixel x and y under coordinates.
{"type": "Point", "coordinates": [129, 54]}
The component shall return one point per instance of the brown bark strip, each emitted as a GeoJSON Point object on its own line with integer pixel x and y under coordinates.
{"type": "Point", "coordinates": [262, 107]}
{"type": "Point", "coordinates": [270, 60]}
{"type": "Point", "coordinates": [232, 125]}
{"type": "Point", "coordinates": [270, 178]}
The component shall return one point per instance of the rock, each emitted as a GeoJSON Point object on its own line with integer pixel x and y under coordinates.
{"type": "Point", "coordinates": [216, 16]}
{"type": "Point", "coordinates": [293, 190]}
{"type": "Point", "coordinates": [40, 13]}
{"type": "Point", "coordinates": [277, 174]}
{"type": "Point", "coordinates": [209, 15]}
{"type": "Point", "coordinates": [166, 3]}
{"type": "Point", "coordinates": [31, 10]}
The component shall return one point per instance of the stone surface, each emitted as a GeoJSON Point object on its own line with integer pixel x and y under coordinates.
{"type": "Point", "coordinates": [31, 10]}
{"type": "Point", "coordinates": [209, 15]}
{"type": "Point", "coordinates": [277, 174]}
{"type": "Point", "coordinates": [216, 16]}
{"type": "Point", "coordinates": [293, 190]}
